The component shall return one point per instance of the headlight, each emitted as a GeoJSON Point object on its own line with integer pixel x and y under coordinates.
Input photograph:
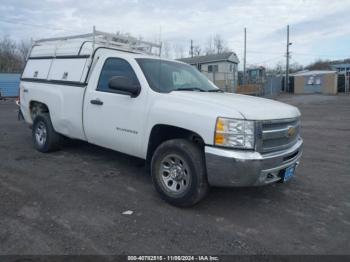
{"type": "Point", "coordinates": [235, 133]}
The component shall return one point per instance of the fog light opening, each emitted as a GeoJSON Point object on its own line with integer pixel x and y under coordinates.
{"type": "Point", "coordinates": [270, 176]}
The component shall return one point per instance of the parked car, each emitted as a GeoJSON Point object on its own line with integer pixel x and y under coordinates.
{"type": "Point", "coordinates": [110, 91]}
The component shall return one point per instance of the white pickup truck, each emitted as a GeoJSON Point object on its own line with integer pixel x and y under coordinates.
{"type": "Point", "coordinates": [110, 91]}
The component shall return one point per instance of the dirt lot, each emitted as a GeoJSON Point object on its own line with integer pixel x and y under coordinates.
{"type": "Point", "coordinates": [71, 201]}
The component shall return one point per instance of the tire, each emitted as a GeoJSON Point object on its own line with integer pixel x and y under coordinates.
{"type": "Point", "coordinates": [44, 136]}
{"type": "Point", "coordinates": [181, 162]}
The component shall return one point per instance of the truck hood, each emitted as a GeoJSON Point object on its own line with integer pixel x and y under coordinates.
{"type": "Point", "coordinates": [250, 107]}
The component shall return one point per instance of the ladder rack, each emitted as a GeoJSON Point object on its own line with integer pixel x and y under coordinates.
{"type": "Point", "coordinates": [117, 41]}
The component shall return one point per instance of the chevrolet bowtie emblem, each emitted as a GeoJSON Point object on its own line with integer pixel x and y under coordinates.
{"type": "Point", "coordinates": [291, 131]}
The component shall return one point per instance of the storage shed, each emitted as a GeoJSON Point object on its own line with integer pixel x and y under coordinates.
{"type": "Point", "coordinates": [316, 81]}
{"type": "Point", "coordinates": [221, 68]}
{"type": "Point", "coordinates": [9, 85]}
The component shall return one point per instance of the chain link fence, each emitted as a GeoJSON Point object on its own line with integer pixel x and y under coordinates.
{"type": "Point", "coordinates": [227, 81]}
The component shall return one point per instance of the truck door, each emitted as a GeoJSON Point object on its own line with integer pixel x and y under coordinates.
{"type": "Point", "coordinates": [114, 120]}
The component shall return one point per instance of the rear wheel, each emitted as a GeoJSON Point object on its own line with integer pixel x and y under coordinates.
{"type": "Point", "coordinates": [44, 136]}
{"type": "Point", "coordinates": [178, 172]}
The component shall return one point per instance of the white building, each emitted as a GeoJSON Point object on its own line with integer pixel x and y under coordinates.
{"type": "Point", "coordinates": [222, 68]}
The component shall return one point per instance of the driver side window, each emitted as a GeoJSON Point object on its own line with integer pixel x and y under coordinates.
{"type": "Point", "coordinates": [115, 67]}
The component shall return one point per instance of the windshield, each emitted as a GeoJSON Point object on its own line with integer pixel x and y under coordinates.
{"type": "Point", "coordinates": [166, 76]}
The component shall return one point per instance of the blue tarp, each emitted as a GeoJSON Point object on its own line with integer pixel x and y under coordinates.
{"type": "Point", "coordinates": [9, 84]}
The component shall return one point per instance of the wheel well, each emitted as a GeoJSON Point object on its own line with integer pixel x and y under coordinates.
{"type": "Point", "coordinates": [161, 133]}
{"type": "Point", "coordinates": [37, 108]}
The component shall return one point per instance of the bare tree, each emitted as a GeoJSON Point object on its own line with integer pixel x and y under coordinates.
{"type": "Point", "coordinates": [23, 49]}
{"type": "Point", "coordinates": [209, 49]}
{"type": "Point", "coordinates": [278, 69]}
{"type": "Point", "coordinates": [218, 44]}
{"type": "Point", "coordinates": [13, 55]}
{"type": "Point", "coordinates": [10, 59]}
{"type": "Point", "coordinates": [179, 51]}
{"type": "Point", "coordinates": [166, 49]}
{"type": "Point", "coordinates": [320, 65]}
{"type": "Point", "coordinates": [197, 50]}
{"type": "Point", "coordinates": [295, 67]}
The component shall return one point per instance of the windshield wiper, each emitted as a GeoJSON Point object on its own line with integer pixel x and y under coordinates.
{"type": "Point", "coordinates": [189, 89]}
{"type": "Point", "coordinates": [216, 90]}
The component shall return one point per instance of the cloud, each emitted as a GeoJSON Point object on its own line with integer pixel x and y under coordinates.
{"type": "Point", "coordinates": [180, 21]}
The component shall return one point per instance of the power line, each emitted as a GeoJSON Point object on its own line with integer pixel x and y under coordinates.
{"type": "Point", "coordinates": [268, 60]}
{"type": "Point", "coordinates": [315, 55]}
{"type": "Point", "coordinates": [29, 24]}
{"type": "Point", "coordinates": [264, 52]}
{"type": "Point", "coordinates": [6, 20]}
{"type": "Point", "coordinates": [294, 53]}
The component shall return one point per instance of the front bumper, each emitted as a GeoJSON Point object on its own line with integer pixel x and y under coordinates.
{"type": "Point", "coordinates": [238, 168]}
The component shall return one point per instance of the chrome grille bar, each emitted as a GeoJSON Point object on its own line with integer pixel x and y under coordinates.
{"type": "Point", "coordinates": [279, 134]}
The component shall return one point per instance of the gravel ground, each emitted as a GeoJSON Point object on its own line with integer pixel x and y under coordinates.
{"type": "Point", "coordinates": [71, 201]}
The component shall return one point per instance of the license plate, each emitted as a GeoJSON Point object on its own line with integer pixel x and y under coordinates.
{"type": "Point", "coordinates": [289, 173]}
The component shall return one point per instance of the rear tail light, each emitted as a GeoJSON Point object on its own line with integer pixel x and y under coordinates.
{"type": "Point", "coordinates": [18, 99]}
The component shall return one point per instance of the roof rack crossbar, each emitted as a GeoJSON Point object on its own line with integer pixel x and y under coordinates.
{"type": "Point", "coordinates": [129, 43]}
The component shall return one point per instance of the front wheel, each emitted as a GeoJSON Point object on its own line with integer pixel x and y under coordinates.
{"type": "Point", "coordinates": [178, 172]}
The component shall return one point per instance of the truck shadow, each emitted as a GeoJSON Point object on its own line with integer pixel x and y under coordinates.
{"type": "Point", "coordinates": [95, 153]}
{"type": "Point", "coordinates": [135, 167]}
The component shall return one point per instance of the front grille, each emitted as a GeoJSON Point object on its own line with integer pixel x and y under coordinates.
{"type": "Point", "coordinates": [279, 134]}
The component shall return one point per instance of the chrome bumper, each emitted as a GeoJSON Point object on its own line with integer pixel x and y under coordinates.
{"type": "Point", "coordinates": [238, 168]}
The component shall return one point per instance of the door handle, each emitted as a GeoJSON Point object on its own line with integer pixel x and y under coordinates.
{"type": "Point", "coordinates": [96, 102]}
{"type": "Point", "coordinates": [25, 90]}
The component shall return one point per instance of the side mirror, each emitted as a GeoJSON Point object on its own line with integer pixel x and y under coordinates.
{"type": "Point", "coordinates": [124, 85]}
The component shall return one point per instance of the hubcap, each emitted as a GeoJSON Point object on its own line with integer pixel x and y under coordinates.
{"type": "Point", "coordinates": [174, 173]}
{"type": "Point", "coordinates": [40, 134]}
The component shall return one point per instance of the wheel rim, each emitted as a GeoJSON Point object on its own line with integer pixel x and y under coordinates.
{"type": "Point", "coordinates": [41, 134]}
{"type": "Point", "coordinates": [174, 174]}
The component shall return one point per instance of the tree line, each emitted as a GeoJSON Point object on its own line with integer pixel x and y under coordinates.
{"type": "Point", "coordinates": [326, 64]}
{"type": "Point", "coordinates": [214, 45]}
{"type": "Point", "coordinates": [12, 55]}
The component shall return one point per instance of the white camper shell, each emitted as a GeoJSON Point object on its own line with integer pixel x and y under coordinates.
{"type": "Point", "coordinates": [68, 59]}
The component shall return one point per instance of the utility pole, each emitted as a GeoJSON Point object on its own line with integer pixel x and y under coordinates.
{"type": "Point", "coordinates": [287, 62]}
{"type": "Point", "coordinates": [245, 55]}
{"type": "Point", "coordinates": [191, 50]}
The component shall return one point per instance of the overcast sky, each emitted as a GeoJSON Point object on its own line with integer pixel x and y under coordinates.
{"type": "Point", "coordinates": [318, 28]}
